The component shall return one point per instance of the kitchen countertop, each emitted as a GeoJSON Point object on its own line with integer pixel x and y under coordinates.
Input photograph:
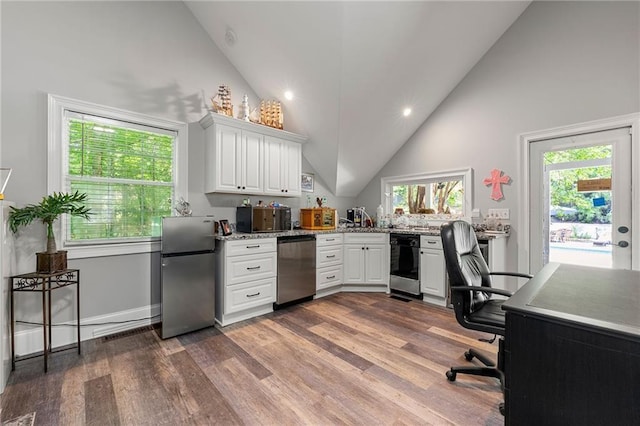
{"type": "Point", "coordinates": [430, 231]}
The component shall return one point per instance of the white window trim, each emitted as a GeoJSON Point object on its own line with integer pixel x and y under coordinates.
{"type": "Point", "coordinates": [56, 175]}
{"type": "Point", "coordinates": [459, 174]}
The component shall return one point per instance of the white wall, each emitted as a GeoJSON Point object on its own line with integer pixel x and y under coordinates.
{"type": "Point", "coordinates": [559, 63]}
{"type": "Point", "coordinates": [148, 57]}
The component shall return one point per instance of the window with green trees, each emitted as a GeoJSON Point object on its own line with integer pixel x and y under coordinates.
{"type": "Point", "coordinates": [573, 165]}
{"type": "Point", "coordinates": [127, 171]}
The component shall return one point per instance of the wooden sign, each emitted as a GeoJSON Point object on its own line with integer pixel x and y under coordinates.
{"type": "Point", "coordinates": [593, 185]}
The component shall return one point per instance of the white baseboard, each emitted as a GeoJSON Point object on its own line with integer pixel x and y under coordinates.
{"type": "Point", "coordinates": [31, 340]}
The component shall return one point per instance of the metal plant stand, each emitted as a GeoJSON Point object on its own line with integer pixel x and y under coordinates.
{"type": "Point", "coordinates": [44, 283]}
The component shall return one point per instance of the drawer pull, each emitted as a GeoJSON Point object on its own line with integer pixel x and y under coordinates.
{"type": "Point", "coordinates": [253, 295]}
{"type": "Point", "coordinates": [253, 268]}
{"type": "Point", "coordinates": [329, 257]}
{"type": "Point", "coordinates": [256, 246]}
{"type": "Point", "coordinates": [331, 239]}
{"type": "Point", "coordinates": [331, 277]}
{"type": "Point", "coordinates": [432, 242]}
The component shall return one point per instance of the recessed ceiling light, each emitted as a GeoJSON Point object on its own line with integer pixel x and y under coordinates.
{"type": "Point", "coordinates": [406, 112]}
{"type": "Point", "coordinates": [288, 95]}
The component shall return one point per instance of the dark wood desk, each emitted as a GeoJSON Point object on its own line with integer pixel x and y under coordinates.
{"type": "Point", "coordinates": [572, 348]}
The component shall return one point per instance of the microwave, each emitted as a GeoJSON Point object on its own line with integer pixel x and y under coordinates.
{"type": "Point", "coordinates": [263, 219]}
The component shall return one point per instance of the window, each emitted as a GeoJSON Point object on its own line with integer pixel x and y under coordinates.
{"type": "Point", "coordinates": [429, 193]}
{"type": "Point", "coordinates": [128, 164]}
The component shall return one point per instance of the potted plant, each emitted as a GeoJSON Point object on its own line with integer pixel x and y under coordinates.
{"type": "Point", "coordinates": [48, 211]}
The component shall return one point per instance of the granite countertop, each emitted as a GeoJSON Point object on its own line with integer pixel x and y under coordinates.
{"type": "Point", "coordinates": [430, 231]}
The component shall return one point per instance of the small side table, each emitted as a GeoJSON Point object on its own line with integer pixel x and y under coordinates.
{"type": "Point", "coordinates": [45, 284]}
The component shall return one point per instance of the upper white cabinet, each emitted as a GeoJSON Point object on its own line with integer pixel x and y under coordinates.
{"type": "Point", "coordinates": [248, 158]}
{"type": "Point", "coordinates": [283, 165]}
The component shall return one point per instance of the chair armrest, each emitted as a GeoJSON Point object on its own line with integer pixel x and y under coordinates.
{"type": "Point", "coordinates": [512, 274]}
{"type": "Point", "coordinates": [490, 290]}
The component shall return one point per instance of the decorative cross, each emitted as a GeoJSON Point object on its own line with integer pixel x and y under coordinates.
{"type": "Point", "coordinates": [496, 180]}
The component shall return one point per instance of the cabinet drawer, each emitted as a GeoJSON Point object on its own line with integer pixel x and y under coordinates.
{"type": "Point", "coordinates": [330, 255]}
{"type": "Point", "coordinates": [248, 295]}
{"type": "Point", "coordinates": [328, 239]}
{"type": "Point", "coordinates": [328, 277]}
{"type": "Point", "coordinates": [247, 268]}
{"type": "Point", "coordinates": [430, 242]}
{"type": "Point", "coordinates": [366, 238]}
{"type": "Point", "coordinates": [253, 246]}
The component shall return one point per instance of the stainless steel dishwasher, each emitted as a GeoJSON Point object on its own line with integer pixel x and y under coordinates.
{"type": "Point", "coordinates": [296, 269]}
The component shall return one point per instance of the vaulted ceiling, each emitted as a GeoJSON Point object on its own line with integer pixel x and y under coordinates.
{"type": "Point", "coordinates": [353, 68]}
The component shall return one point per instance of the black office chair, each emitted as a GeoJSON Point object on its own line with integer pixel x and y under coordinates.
{"type": "Point", "coordinates": [474, 308]}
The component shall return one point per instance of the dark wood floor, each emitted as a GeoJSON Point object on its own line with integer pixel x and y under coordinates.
{"type": "Point", "coordinates": [350, 358]}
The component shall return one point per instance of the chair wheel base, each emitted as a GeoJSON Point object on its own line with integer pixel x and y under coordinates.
{"type": "Point", "coordinates": [451, 375]}
{"type": "Point", "coordinates": [468, 356]}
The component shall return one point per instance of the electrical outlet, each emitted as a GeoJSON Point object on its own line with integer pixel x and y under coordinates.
{"type": "Point", "coordinates": [498, 213]}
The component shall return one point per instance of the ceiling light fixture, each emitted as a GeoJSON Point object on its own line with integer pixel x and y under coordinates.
{"type": "Point", "coordinates": [288, 95]}
{"type": "Point", "coordinates": [406, 112]}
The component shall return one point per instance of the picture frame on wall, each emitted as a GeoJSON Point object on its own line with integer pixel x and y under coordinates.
{"type": "Point", "coordinates": [306, 183]}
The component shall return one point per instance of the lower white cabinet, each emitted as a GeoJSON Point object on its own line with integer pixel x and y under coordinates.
{"type": "Point", "coordinates": [329, 263]}
{"type": "Point", "coordinates": [433, 272]}
{"type": "Point", "coordinates": [366, 258]}
{"type": "Point", "coordinates": [246, 272]}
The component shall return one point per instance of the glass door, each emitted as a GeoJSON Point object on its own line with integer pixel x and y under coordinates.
{"type": "Point", "coordinates": [581, 200]}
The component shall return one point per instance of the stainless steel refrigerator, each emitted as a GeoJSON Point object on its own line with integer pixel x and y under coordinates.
{"type": "Point", "coordinates": [188, 275]}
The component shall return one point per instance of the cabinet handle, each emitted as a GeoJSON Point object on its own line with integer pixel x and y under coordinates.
{"type": "Point", "coordinates": [286, 190]}
{"type": "Point", "coordinates": [253, 268]}
{"type": "Point", "coordinates": [256, 246]}
{"type": "Point", "coordinates": [332, 256]}
{"type": "Point", "coordinates": [253, 295]}
{"type": "Point", "coordinates": [367, 248]}
{"type": "Point", "coordinates": [432, 242]}
{"type": "Point", "coordinates": [244, 187]}
{"type": "Point", "coordinates": [331, 277]}
{"type": "Point", "coordinates": [421, 252]}
{"type": "Point", "coordinates": [330, 239]}
{"type": "Point", "coordinates": [282, 190]}
{"type": "Point", "coordinates": [362, 248]}
{"type": "Point", "coordinates": [238, 187]}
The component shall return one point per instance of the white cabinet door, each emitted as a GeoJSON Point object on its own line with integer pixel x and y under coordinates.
{"type": "Point", "coordinates": [376, 263]}
{"type": "Point", "coordinates": [293, 169]}
{"type": "Point", "coordinates": [227, 159]}
{"type": "Point", "coordinates": [432, 272]}
{"type": "Point", "coordinates": [273, 166]}
{"type": "Point", "coordinates": [283, 164]}
{"type": "Point", "coordinates": [252, 163]}
{"type": "Point", "coordinates": [353, 264]}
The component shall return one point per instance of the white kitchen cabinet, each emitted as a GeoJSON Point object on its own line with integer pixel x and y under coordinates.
{"type": "Point", "coordinates": [433, 273]}
{"type": "Point", "coordinates": [283, 166]}
{"type": "Point", "coordinates": [237, 156]}
{"type": "Point", "coordinates": [366, 259]}
{"type": "Point", "coordinates": [329, 263]}
{"type": "Point", "coordinates": [235, 160]}
{"type": "Point", "coordinates": [246, 272]}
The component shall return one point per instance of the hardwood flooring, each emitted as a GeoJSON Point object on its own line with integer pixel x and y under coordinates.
{"type": "Point", "coordinates": [349, 358]}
